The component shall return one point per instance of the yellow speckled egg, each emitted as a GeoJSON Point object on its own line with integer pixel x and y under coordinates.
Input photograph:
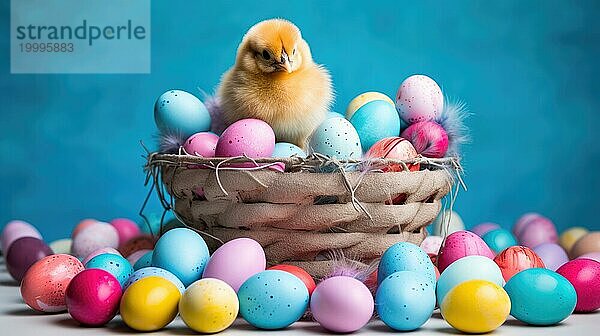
{"type": "Point", "coordinates": [570, 236]}
{"type": "Point", "coordinates": [364, 98]}
{"type": "Point", "coordinates": [476, 306]}
{"type": "Point", "coordinates": [150, 304]}
{"type": "Point", "coordinates": [209, 306]}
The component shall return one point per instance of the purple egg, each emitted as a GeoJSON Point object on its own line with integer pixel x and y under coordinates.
{"type": "Point", "coordinates": [522, 223]}
{"type": "Point", "coordinates": [23, 253]}
{"type": "Point", "coordinates": [14, 230]}
{"type": "Point", "coordinates": [552, 255]}
{"type": "Point", "coordinates": [591, 255]}
{"type": "Point", "coordinates": [538, 231]}
{"type": "Point", "coordinates": [483, 228]}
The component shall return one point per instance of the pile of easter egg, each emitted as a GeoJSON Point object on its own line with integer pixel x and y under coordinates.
{"type": "Point", "coordinates": [374, 127]}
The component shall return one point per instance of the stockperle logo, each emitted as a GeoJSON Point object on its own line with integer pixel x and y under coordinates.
{"type": "Point", "coordinates": [80, 36]}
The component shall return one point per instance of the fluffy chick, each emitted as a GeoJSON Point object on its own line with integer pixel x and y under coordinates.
{"type": "Point", "coordinates": [276, 80]}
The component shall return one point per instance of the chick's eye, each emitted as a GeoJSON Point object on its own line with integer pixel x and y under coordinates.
{"type": "Point", "coordinates": [266, 55]}
{"type": "Point", "coordinates": [294, 51]}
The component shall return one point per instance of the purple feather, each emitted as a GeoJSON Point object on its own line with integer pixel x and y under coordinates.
{"type": "Point", "coordinates": [452, 120]}
{"type": "Point", "coordinates": [213, 106]}
{"type": "Point", "coordinates": [170, 142]}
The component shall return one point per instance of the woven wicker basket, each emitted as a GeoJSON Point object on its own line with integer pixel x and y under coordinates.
{"type": "Point", "coordinates": [300, 216]}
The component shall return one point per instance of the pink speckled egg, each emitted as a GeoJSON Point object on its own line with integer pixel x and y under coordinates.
{"type": "Point", "coordinates": [17, 229]}
{"type": "Point", "coordinates": [93, 237]}
{"type": "Point", "coordinates": [99, 252]}
{"type": "Point", "coordinates": [584, 275]}
{"type": "Point", "coordinates": [201, 144]}
{"type": "Point", "coordinates": [515, 259]}
{"type": "Point", "coordinates": [419, 98]}
{"type": "Point", "coordinates": [135, 256]}
{"type": "Point", "coordinates": [236, 261]}
{"type": "Point", "coordinates": [126, 228]}
{"type": "Point", "coordinates": [342, 304]}
{"type": "Point", "coordinates": [93, 297]}
{"type": "Point", "coordinates": [251, 137]}
{"type": "Point", "coordinates": [432, 244]}
{"type": "Point", "coordinates": [82, 225]}
{"type": "Point", "coordinates": [45, 283]}
{"type": "Point", "coordinates": [537, 230]}
{"type": "Point", "coordinates": [483, 228]}
{"type": "Point", "coordinates": [460, 244]}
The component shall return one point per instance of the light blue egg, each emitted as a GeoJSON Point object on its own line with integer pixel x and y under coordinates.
{"type": "Point", "coordinates": [182, 252]}
{"type": "Point", "coordinates": [180, 112]}
{"type": "Point", "coordinates": [332, 114]}
{"type": "Point", "coordinates": [144, 261]}
{"type": "Point", "coordinates": [468, 268]}
{"type": "Point", "coordinates": [405, 300]}
{"type": "Point", "coordinates": [154, 271]}
{"type": "Point", "coordinates": [336, 137]}
{"type": "Point", "coordinates": [273, 299]}
{"type": "Point", "coordinates": [540, 296]}
{"type": "Point", "coordinates": [113, 264]}
{"type": "Point", "coordinates": [499, 240]}
{"type": "Point", "coordinates": [286, 149]}
{"type": "Point", "coordinates": [404, 256]}
{"type": "Point", "coordinates": [374, 121]}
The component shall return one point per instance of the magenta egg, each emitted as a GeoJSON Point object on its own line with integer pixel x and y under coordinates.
{"type": "Point", "coordinates": [584, 275]}
{"type": "Point", "coordinates": [419, 98]}
{"type": "Point", "coordinates": [428, 137]}
{"type": "Point", "coordinates": [93, 297]}
{"type": "Point", "coordinates": [93, 237]}
{"type": "Point", "coordinates": [45, 284]}
{"type": "Point", "coordinates": [236, 261]}
{"type": "Point", "coordinates": [460, 244]}
{"type": "Point", "coordinates": [14, 230]}
{"type": "Point", "coordinates": [553, 255]}
{"type": "Point", "coordinates": [201, 144]}
{"type": "Point", "coordinates": [23, 253]}
{"type": "Point", "coordinates": [251, 137]}
{"type": "Point", "coordinates": [483, 228]}
{"type": "Point", "coordinates": [342, 304]}
{"type": "Point", "coordinates": [126, 228]}
{"type": "Point", "coordinates": [98, 252]}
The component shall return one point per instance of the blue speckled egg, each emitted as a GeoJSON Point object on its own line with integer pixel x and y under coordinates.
{"type": "Point", "coordinates": [182, 252]}
{"type": "Point", "coordinates": [336, 137]}
{"type": "Point", "coordinates": [332, 114]}
{"type": "Point", "coordinates": [144, 261]}
{"type": "Point", "coordinates": [499, 240]}
{"type": "Point", "coordinates": [154, 271]}
{"type": "Point", "coordinates": [405, 300]}
{"type": "Point", "coordinates": [404, 256]}
{"type": "Point", "coordinates": [113, 264]}
{"type": "Point", "coordinates": [374, 121]}
{"type": "Point", "coordinates": [180, 112]}
{"type": "Point", "coordinates": [286, 149]}
{"type": "Point", "coordinates": [540, 296]}
{"type": "Point", "coordinates": [273, 299]}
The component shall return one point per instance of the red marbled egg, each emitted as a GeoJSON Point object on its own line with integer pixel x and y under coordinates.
{"type": "Point", "coordinates": [393, 148]}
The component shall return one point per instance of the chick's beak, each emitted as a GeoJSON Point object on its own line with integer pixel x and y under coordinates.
{"type": "Point", "coordinates": [285, 62]}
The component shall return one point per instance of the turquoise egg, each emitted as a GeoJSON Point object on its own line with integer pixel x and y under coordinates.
{"type": "Point", "coordinates": [472, 267]}
{"type": "Point", "coordinates": [181, 113]}
{"type": "Point", "coordinates": [114, 264]}
{"type": "Point", "coordinates": [273, 299]}
{"type": "Point", "coordinates": [182, 252]}
{"type": "Point", "coordinates": [540, 296]}
{"type": "Point", "coordinates": [332, 114]}
{"type": "Point", "coordinates": [404, 256]}
{"type": "Point", "coordinates": [405, 300]}
{"type": "Point", "coordinates": [286, 149]}
{"type": "Point", "coordinates": [144, 261]}
{"type": "Point", "coordinates": [500, 239]}
{"type": "Point", "coordinates": [374, 121]}
{"type": "Point", "coordinates": [154, 271]}
{"type": "Point", "coordinates": [336, 138]}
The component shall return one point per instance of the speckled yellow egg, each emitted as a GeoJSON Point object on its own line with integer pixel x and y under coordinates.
{"type": "Point", "coordinates": [568, 238]}
{"type": "Point", "coordinates": [209, 306]}
{"type": "Point", "coordinates": [150, 304]}
{"type": "Point", "coordinates": [476, 306]}
{"type": "Point", "coordinates": [364, 98]}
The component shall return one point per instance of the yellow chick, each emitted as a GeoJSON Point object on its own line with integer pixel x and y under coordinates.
{"type": "Point", "coordinates": [276, 80]}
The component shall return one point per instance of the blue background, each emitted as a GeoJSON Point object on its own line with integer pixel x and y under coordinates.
{"type": "Point", "coordinates": [528, 70]}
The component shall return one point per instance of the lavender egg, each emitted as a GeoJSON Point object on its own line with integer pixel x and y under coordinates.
{"type": "Point", "coordinates": [419, 98]}
{"type": "Point", "coordinates": [15, 230]}
{"type": "Point", "coordinates": [552, 255]}
{"type": "Point", "coordinates": [94, 237]}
